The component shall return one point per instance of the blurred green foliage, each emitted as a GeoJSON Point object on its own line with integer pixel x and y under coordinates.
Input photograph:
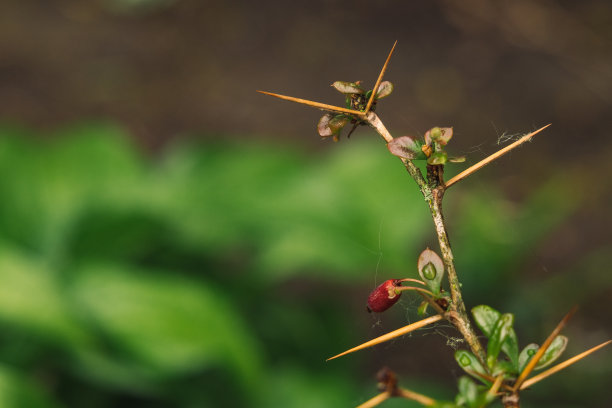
{"type": "Point", "coordinates": [217, 275]}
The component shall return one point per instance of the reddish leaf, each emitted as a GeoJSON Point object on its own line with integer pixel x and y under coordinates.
{"type": "Point", "coordinates": [384, 89]}
{"type": "Point", "coordinates": [323, 126]}
{"type": "Point", "coordinates": [404, 147]}
{"type": "Point", "coordinates": [330, 125]}
{"type": "Point", "coordinates": [348, 87]}
{"type": "Point", "coordinates": [438, 135]}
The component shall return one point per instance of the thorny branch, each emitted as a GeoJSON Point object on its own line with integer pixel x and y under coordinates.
{"type": "Point", "coordinates": [433, 195]}
{"type": "Point", "coordinates": [432, 188]}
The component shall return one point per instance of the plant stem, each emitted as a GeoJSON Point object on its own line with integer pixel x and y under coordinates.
{"type": "Point", "coordinates": [457, 314]}
{"type": "Point", "coordinates": [404, 288]}
{"type": "Point", "coordinates": [433, 193]}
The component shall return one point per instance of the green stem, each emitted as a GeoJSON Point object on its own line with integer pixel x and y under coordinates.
{"type": "Point", "coordinates": [433, 191]}
{"type": "Point", "coordinates": [457, 313]}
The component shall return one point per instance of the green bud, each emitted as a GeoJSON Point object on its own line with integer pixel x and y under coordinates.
{"type": "Point", "coordinates": [429, 271]}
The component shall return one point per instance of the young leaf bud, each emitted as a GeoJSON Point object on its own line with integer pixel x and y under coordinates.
{"type": "Point", "coordinates": [439, 135]}
{"type": "Point", "coordinates": [438, 158]}
{"type": "Point", "coordinates": [431, 269]}
{"type": "Point", "coordinates": [384, 296]}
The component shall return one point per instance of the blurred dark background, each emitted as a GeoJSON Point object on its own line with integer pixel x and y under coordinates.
{"type": "Point", "coordinates": [169, 237]}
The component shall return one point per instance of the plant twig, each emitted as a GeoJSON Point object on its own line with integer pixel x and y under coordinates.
{"type": "Point", "coordinates": [554, 369]}
{"type": "Point", "coordinates": [493, 157]}
{"type": "Point", "coordinates": [433, 303]}
{"type": "Point", "coordinates": [538, 355]}
{"type": "Point", "coordinates": [378, 81]}
{"type": "Point", "coordinates": [434, 199]}
{"type": "Point", "coordinates": [420, 282]}
{"type": "Point", "coordinates": [391, 335]}
{"type": "Point", "coordinates": [404, 288]}
{"type": "Point", "coordinates": [375, 122]}
{"type": "Point", "coordinates": [457, 314]}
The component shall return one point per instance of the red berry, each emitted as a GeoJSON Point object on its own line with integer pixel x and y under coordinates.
{"type": "Point", "coordinates": [384, 296]}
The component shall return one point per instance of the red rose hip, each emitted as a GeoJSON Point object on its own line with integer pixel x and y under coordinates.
{"type": "Point", "coordinates": [384, 296]}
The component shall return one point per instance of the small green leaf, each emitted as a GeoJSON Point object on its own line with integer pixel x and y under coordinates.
{"type": "Point", "coordinates": [469, 363]}
{"type": "Point", "coordinates": [431, 269]}
{"type": "Point", "coordinates": [348, 87]}
{"type": "Point", "coordinates": [384, 89]}
{"type": "Point", "coordinates": [470, 394]}
{"type": "Point", "coordinates": [503, 367]}
{"type": "Point", "coordinates": [498, 336]}
{"type": "Point", "coordinates": [510, 348]}
{"type": "Point", "coordinates": [553, 352]}
{"type": "Point", "coordinates": [438, 158]}
{"type": "Point", "coordinates": [485, 318]}
{"type": "Point", "coordinates": [467, 391]}
{"type": "Point", "coordinates": [526, 354]}
{"type": "Point", "coordinates": [423, 308]}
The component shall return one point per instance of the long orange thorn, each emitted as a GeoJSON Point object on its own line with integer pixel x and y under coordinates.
{"type": "Point", "coordinates": [375, 400]}
{"type": "Point", "coordinates": [538, 355]}
{"type": "Point", "coordinates": [554, 369]}
{"type": "Point", "coordinates": [314, 104]}
{"type": "Point", "coordinates": [379, 80]}
{"type": "Point", "coordinates": [391, 335]}
{"type": "Point", "coordinates": [492, 157]}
